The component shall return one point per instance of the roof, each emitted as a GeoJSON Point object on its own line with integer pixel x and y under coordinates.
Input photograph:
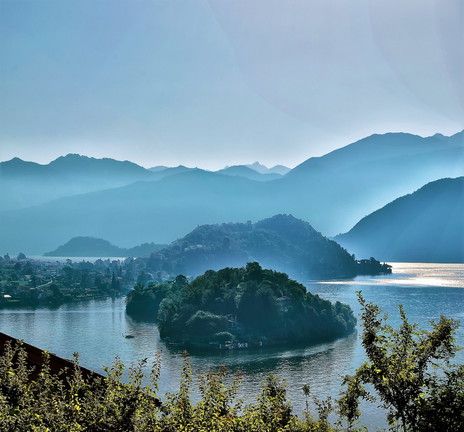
{"type": "Point", "coordinates": [35, 359]}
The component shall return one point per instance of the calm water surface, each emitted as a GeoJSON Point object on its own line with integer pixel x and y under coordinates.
{"type": "Point", "coordinates": [96, 330]}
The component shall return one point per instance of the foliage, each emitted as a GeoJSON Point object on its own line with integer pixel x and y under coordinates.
{"type": "Point", "coordinates": [282, 242]}
{"type": "Point", "coordinates": [410, 371]}
{"type": "Point", "coordinates": [29, 282]}
{"type": "Point", "coordinates": [249, 305]}
{"type": "Point", "coordinates": [42, 401]}
{"type": "Point", "coordinates": [399, 369]}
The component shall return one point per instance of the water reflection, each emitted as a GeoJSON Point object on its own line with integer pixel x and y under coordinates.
{"type": "Point", "coordinates": [96, 329]}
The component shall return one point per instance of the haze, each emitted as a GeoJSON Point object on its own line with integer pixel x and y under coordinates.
{"type": "Point", "coordinates": [216, 83]}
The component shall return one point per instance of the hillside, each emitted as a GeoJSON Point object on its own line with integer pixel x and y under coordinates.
{"type": "Point", "coordinates": [282, 243]}
{"type": "Point", "coordinates": [162, 210]}
{"type": "Point", "coordinates": [249, 173]}
{"type": "Point", "coordinates": [162, 171]}
{"type": "Point", "coordinates": [263, 169]}
{"type": "Point", "coordinates": [333, 192]}
{"type": "Point", "coordinates": [247, 305]}
{"type": "Point", "coordinates": [95, 247]}
{"type": "Point", "coordinates": [425, 226]}
{"type": "Point", "coordinates": [340, 188]}
{"type": "Point", "coordinates": [24, 184]}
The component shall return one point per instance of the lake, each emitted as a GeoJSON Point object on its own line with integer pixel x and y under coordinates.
{"type": "Point", "coordinates": [96, 330]}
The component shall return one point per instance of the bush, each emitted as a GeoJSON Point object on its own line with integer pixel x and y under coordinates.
{"type": "Point", "coordinates": [408, 369]}
{"type": "Point", "coordinates": [44, 401]}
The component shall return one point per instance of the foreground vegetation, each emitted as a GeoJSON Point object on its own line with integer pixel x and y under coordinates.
{"type": "Point", "coordinates": [409, 373]}
{"type": "Point", "coordinates": [240, 307]}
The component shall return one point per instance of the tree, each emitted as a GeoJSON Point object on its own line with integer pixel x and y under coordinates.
{"type": "Point", "coordinates": [411, 373]}
{"type": "Point", "coordinates": [115, 284]}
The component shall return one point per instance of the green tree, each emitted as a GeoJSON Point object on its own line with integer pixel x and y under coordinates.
{"type": "Point", "coordinates": [411, 373]}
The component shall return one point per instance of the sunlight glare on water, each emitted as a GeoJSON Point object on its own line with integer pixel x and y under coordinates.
{"type": "Point", "coordinates": [412, 274]}
{"type": "Point", "coordinates": [96, 330]}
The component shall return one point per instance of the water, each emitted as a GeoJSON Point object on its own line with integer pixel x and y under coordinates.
{"type": "Point", "coordinates": [96, 330]}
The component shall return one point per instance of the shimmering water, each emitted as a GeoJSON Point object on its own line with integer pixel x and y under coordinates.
{"type": "Point", "coordinates": [96, 330]}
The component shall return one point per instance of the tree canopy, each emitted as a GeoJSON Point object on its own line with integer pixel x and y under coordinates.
{"type": "Point", "coordinates": [282, 242]}
{"type": "Point", "coordinates": [248, 305]}
{"type": "Point", "coordinates": [410, 371]}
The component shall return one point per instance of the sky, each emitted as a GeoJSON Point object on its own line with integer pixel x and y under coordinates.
{"type": "Point", "coordinates": [214, 83]}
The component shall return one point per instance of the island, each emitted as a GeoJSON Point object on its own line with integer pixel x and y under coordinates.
{"type": "Point", "coordinates": [239, 308]}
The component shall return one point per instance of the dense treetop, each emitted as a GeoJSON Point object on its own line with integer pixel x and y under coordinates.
{"type": "Point", "coordinates": [248, 305]}
{"type": "Point", "coordinates": [29, 282]}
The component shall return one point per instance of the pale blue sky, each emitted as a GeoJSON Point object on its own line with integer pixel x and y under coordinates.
{"type": "Point", "coordinates": [212, 83]}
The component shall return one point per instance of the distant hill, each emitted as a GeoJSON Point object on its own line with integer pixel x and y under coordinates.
{"type": "Point", "coordinates": [158, 168]}
{"type": "Point", "coordinates": [340, 188]}
{"type": "Point", "coordinates": [162, 171]}
{"type": "Point", "coordinates": [262, 169]}
{"type": "Point", "coordinates": [245, 172]}
{"type": "Point", "coordinates": [425, 226]}
{"type": "Point", "coordinates": [282, 243]}
{"type": "Point", "coordinates": [95, 247]}
{"type": "Point", "coordinates": [167, 208]}
{"type": "Point", "coordinates": [23, 184]}
{"type": "Point", "coordinates": [333, 192]}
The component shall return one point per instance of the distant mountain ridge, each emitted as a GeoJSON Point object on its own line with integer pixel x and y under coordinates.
{"type": "Point", "coordinates": [95, 247]}
{"type": "Point", "coordinates": [84, 165]}
{"type": "Point", "coordinates": [282, 243]}
{"type": "Point", "coordinates": [24, 184]}
{"type": "Point", "coordinates": [263, 169]}
{"type": "Point", "coordinates": [425, 226]}
{"type": "Point", "coordinates": [333, 192]}
{"type": "Point", "coordinates": [249, 173]}
{"type": "Point", "coordinates": [163, 171]}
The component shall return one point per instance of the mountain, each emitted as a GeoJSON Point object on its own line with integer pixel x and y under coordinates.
{"type": "Point", "coordinates": [167, 208]}
{"type": "Point", "coordinates": [158, 168]}
{"type": "Point", "coordinates": [95, 247]}
{"type": "Point", "coordinates": [333, 192]}
{"type": "Point", "coordinates": [425, 226]}
{"type": "Point", "coordinates": [23, 184]}
{"type": "Point", "coordinates": [282, 243]}
{"type": "Point", "coordinates": [162, 171]}
{"type": "Point", "coordinates": [279, 169]}
{"type": "Point", "coordinates": [338, 189]}
{"type": "Point", "coordinates": [263, 169]}
{"type": "Point", "coordinates": [244, 171]}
